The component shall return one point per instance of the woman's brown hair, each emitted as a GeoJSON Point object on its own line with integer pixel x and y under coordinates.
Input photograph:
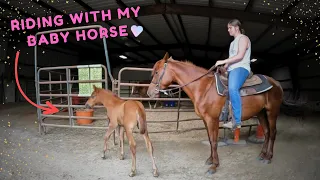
{"type": "Point", "coordinates": [236, 22]}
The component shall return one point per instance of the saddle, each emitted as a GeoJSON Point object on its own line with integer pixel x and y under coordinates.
{"type": "Point", "coordinates": [254, 84]}
{"type": "Point", "coordinates": [250, 81]}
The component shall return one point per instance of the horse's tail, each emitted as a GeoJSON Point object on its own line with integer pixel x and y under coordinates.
{"type": "Point", "coordinates": [141, 122]}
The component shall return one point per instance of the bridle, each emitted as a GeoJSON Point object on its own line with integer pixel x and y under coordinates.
{"type": "Point", "coordinates": [169, 91]}
{"type": "Point", "coordinates": [158, 89]}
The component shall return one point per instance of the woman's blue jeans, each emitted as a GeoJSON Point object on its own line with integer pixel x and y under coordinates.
{"type": "Point", "coordinates": [236, 79]}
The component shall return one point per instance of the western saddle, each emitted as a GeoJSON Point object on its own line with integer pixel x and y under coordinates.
{"type": "Point", "coordinates": [250, 81]}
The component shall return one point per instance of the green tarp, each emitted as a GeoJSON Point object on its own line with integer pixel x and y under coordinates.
{"type": "Point", "coordinates": [90, 73]}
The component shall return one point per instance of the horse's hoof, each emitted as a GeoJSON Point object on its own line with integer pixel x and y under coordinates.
{"type": "Point", "coordinates": [209, 161]}
{"type": "Point", "coordinates": [132, 174]}
{"type": "Point", "coordinates": [103, 157]}
{"type": "Point", "coordinates": [260, 158]}
{"type": "Point", "coordinates": [211, 171]}
{"type": "Point", "coordinates": [266, 161]}
{"type": "Point", "coordinates": [121, 157]}
{"type": "Point", "coordinates": [155, 173]}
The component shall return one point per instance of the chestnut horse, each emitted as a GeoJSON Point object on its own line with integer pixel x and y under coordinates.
{"type": "Point", "coordinates": [261, 96]}
{"type": "Point", "coordinates": [141, 91]}
{"type": "Point", "coordinates": [127, 115]}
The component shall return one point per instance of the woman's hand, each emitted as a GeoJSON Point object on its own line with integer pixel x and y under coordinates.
{"type": "Point", "coordinates": [220, 62]}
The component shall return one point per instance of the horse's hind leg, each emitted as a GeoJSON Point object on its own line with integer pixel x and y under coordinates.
{"type": "Point", "coordinates": [272, 118]}
{"type": "Point", "coordinates": [121, 133]}
{"type": "Point", "coordinates": [150, 150]}
{"type": "Point", "coordinates": [132, 144]}
{"type": "Point", "coordinates": [110, 130]}
{"type": "Point", "coordinates": [265, 124]}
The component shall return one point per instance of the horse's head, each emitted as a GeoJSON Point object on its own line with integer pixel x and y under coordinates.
{"type": "Point", "coordinates": [162, 77]}
{"type": "Point", "coordinates": [94, 98]}
{"type": "Point", "coordinates": [134, 90]}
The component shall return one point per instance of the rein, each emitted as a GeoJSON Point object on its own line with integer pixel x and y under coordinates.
{"type": "Point", "coordinates": [169, 91]}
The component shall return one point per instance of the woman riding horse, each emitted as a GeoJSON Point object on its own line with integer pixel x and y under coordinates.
{"type": "Point", "coordinates": [238, 66]}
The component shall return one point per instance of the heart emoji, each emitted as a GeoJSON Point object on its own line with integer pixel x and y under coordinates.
{"type": "Point", "coordinates": [136, 30]}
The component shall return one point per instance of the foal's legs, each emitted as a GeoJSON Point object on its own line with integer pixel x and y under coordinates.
{"type": "Point", "coordinates": [121, 133]}
{"type": "Point", "coordinates": [150, 150]}
{"type": "Point", "coordinates": [265, 124]}
{"type": "Point", "coordinates": [132, 144]}
{"type": "Point", "coordinates": [111, 128]}
{"type": "Point", "coordinates": [150, 107]}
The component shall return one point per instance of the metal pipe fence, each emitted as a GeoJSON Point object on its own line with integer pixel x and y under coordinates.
{"type": "Point", "coordinates": [178, 109]}
{"type": "Point", "coordinates": [67, 93]}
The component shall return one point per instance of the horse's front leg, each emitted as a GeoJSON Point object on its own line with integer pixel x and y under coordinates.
{"type": "Point", "coordinates": [213, 131]}
{"type": "Point", "coordinates": [209, 161]}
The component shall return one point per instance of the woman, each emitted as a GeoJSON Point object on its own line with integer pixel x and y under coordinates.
{"type": "Point", "coordinates": [238, 67]}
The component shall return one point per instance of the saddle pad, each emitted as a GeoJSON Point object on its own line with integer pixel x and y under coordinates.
{"type": "Point", "coordinates": [245, 91]}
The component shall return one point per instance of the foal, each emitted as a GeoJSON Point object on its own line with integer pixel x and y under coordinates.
{"type": "Point", "coordinates": [126, 114]}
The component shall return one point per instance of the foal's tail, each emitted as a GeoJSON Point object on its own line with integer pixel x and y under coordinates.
{"type": "Point", "coordinates": [142, 123]}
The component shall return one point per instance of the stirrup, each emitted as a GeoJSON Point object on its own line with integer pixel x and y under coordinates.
{"type": "Point", "coordinates": [231, 125]}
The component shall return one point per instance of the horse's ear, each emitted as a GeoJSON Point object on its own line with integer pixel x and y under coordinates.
{"type": "Point", "coordinates": [166, 56]}
{"type": "Point", "coordinates": [94, 88]}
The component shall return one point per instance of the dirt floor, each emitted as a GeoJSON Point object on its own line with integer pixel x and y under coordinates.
{"type": "Point", "coordinates": [74, 154]}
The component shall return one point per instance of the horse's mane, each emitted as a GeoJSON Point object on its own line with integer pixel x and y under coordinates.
{"type": "Point", "coordinates": [109, 92]}
{"type": "Point", "coordinates": [189, 63]}
{"type": "Point", "coordinates": [185, 62]}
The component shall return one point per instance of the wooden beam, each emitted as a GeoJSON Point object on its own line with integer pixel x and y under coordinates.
{"type": "Point", "coordinates": [284, 14]}
{"type": "Point", "coordinates": [177, 46]}
{"type": "Point", "coordinates": [170, 26]}
{"type": "Point", "coordinates": [281, 41]}
{"type": "Point", "coordinates": [263, 34]}
{"type": "Point", "coordinates": [204, 11]}
{"type": "Point", "coordinates": [183, 31]}
{"type": "Point", "coordinates": [124, 6]}
{"type": "Point", "coordinates": [209, 28]}
{"type": "Point", "coordinates": [249, 6]}
{"type": "Point", "coordinates": [164, 47]}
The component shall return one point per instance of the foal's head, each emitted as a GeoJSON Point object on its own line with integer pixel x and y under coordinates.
{"type": "Point", "coordinates": [94, 98]}
{"type": "Point", "coordinates": [162, 76]}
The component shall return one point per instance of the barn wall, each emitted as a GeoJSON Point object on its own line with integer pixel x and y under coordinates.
{"type": "Point", "coordinates": [309, 78]}
{"type": "Point", "coordinates": [46, 57]}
